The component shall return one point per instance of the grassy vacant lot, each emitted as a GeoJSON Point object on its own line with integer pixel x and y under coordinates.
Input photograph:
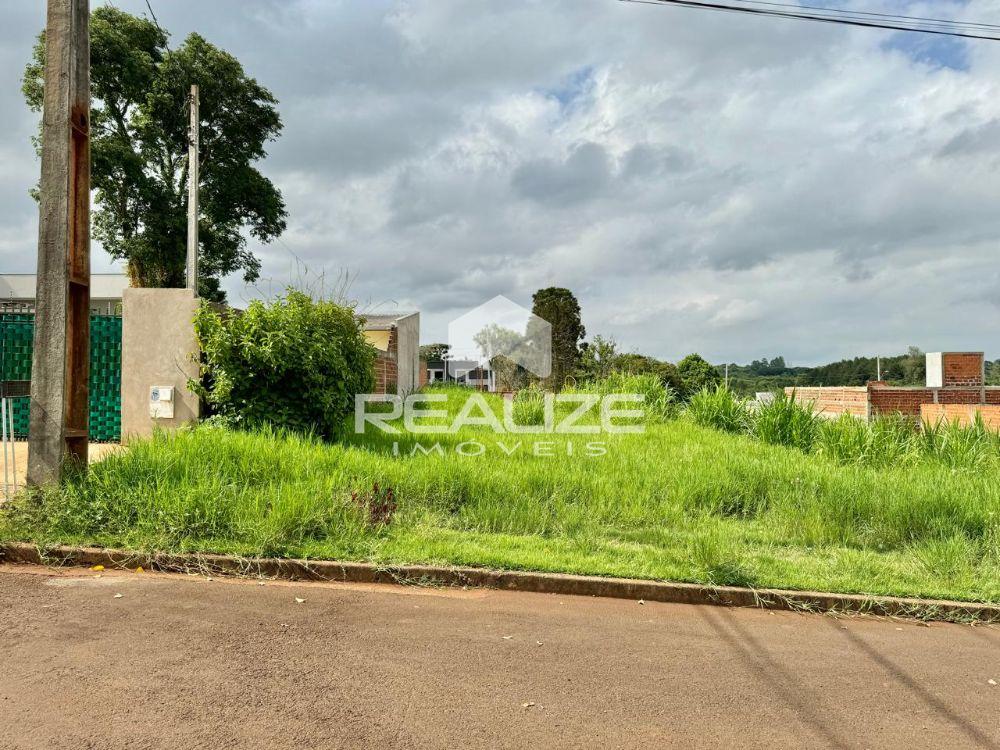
{"type": "Point", "coordinates": [681, 502]}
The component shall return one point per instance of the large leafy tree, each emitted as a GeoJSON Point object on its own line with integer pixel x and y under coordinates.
{"type": "Point", "coordinates": [560, 308]}
{"type": "Point", "coordinates": [696, 373]}
{"type": "Point", "coordinates": [139, 137]}
{"type": "Point", "coordinates": [435, 352]}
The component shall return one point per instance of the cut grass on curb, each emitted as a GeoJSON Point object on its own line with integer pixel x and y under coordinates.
{"type": "Point", "coordinates": [680, 502]}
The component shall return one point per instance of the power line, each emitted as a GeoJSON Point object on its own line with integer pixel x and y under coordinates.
{"type": "Point", "coordinates": [843, 17]}
{"type": "Point", "coordinates": [891, 16]}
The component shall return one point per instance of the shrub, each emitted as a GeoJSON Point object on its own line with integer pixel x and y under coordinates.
{"type": "Point", "coordinates": [720, 408]}
{"type": "Point", "coordinates": [295, 363]}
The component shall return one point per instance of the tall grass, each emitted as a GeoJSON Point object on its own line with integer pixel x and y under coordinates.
{"type": "Point", "coordinates": [784, 421]}
{"type": "Point", "coordinates": [659, 402]}
{"type": "Point", "coordinates": [529, 406]}
{"type": "Point", "coordinates": [886, 440]}
{"type": "Point", "coordinates": [720, 408]}
{"type": "Point", "coordinates": [678, 502]}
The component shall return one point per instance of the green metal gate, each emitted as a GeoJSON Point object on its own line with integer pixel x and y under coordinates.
{"type": "Point", "coordinates": [17, 330]}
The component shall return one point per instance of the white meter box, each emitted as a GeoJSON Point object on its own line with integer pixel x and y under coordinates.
{"type": "Point", "coordinates": [161, 402]}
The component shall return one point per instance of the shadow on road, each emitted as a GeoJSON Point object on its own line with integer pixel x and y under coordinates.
{"type": "Point", "coordinates": [782, 682]}
{"type": "Point", "coordinates": [938, 706]}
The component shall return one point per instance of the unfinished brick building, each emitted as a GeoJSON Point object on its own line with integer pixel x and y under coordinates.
{"type": "Point", "coordinates": [397, 339]}
{"type": "Point", "coordinates": [955, 390]}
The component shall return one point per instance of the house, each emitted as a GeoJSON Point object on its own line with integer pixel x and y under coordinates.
{"type": "Point", "coordinates": [18, 289]}
{"type": "Point", "coordinates": [466, 372]}
{"type": "Point", "coordinates": [396, 336]}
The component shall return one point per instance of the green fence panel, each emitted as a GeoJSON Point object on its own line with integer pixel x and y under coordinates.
{"type": "Point", "coordinates": [16, 340]}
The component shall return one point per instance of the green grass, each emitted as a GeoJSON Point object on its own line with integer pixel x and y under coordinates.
{"type": "Point", "coordinates": [680, 502]}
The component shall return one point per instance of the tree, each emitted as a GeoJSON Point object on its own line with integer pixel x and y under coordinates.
{"type": "Point", "coordinates": [139, 122]}
{"type": "Point", "coordinates": [500, 347]}
{"type": "Point", "coordinates": [561, 310]}
{"type": "Point", "coordinates": [640, 364]}
{"type": "Point", "coordinates": [993, 372]}
{"type": "Point", "coordinates": [914, 366]}
{"type": "Point", "coordinates": [598, 358]}
{"type": "Point", "coordinates": [435, 352]}
{"type": "Point", "coordinates": [696, 374]}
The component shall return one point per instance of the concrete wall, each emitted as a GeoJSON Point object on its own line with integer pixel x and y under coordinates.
{"type": "Point", "coordinates": [158, 349]}
{"type": "Point", "coordinates": [408, 353]}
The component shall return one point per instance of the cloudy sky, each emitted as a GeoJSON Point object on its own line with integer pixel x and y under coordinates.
{"type": "Point", "coordinates": [706, 182]}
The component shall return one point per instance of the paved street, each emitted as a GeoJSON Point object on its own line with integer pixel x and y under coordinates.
{"type": "Point", "coordinates": [181, 661]}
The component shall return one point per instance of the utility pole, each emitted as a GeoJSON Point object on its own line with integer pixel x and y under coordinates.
{"type": "Point", "coordinates": [193, 182]}
{"type": "Point", "coordinates": [61, 361]}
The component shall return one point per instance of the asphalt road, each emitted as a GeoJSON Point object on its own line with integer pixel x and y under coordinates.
{"type": "Point", "coordinates": [183, 662]}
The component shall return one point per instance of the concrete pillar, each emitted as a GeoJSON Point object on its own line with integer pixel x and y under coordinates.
{"type": "Point", "coordinates": [159, 349]}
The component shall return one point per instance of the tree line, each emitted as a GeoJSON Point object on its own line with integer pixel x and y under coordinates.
{"type": "Point", "coordinates": [575, 359]}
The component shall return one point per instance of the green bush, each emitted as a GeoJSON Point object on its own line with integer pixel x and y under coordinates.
{"type": "Point", "coordinates": [295, 363]}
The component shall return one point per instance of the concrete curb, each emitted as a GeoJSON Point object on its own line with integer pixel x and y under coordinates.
{"type": "Point", "coordinates": [508, 580]}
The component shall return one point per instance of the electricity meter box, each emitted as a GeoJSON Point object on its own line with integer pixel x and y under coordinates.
{"type": "Point", "coordinates": [161, 402]}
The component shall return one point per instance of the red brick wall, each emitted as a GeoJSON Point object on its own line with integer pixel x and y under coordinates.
{"type": "Point", "coordinates": [959, 369]}
{"type": "Point", "coordinates": [961, 413]}
{"type": "Point", "coordinates": [386, 371]}
{"type": "Point", "coordinates": [885, 399]}
{"type": "Point", "coordinates": [908, 400]}
{"type": "Point", "coordinates": [832, 402]}
{"type": "Point", "coordinates": [423, 377]}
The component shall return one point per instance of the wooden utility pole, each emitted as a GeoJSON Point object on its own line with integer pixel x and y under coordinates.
{"type": "Point", "coordinates": [193, 181]}
{"type": "Point", "coordinates": [61, 364]}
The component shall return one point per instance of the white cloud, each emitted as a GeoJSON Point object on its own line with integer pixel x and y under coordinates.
{"type": "Point", "coordinates": [709, 182]}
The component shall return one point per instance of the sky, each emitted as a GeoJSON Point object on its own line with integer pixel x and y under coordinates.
{"type": "Point", "coordinates": [737, 186]}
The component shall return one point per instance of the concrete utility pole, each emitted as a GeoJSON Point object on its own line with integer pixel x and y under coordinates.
{"type": "Point", "coordinates": [61, 364]}
{"type": "Point", "coordinates": [193, 181]}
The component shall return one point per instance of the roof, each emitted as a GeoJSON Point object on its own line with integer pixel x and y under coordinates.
{"type": "Point", "coordinates": [21, 286]}
{"type": "Point", "coordinates": [384, 322]}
